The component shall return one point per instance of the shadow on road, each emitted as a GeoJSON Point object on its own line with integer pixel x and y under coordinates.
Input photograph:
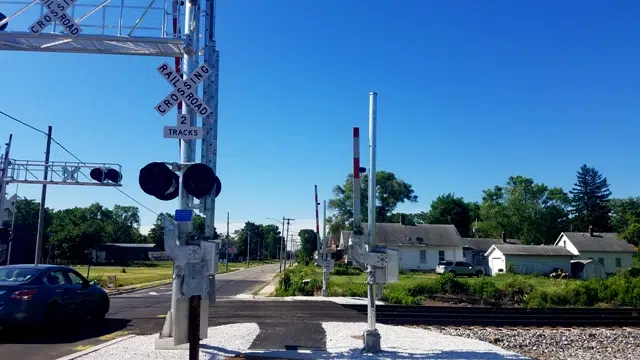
{"type": "Point", "coordinates": [63, 333]}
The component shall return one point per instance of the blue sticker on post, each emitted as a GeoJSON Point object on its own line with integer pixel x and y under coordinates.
{"type": "Point", "coordinates": [184, 215]}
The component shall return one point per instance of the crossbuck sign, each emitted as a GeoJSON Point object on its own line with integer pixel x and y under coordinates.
{"type": "Point", "coordinates": [57, 11]}
{"type": "Point", "coordinates": [183, 89]}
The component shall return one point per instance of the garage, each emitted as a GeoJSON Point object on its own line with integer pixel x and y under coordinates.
{"type": "Point", "coordinates": [528, 259]}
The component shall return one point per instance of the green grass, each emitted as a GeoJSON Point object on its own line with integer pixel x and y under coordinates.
{"type": "Point", "coordinates": [143, 273]}
{"type": "Point", "coordinates": [507, 289]}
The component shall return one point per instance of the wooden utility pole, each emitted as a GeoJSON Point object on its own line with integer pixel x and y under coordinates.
{"type": "Point", "coordinates": [43, 199]}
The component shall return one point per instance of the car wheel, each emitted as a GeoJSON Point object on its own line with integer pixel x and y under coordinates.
{"type": "Point", "coordinates": [478, 273]}
{"type": "Point", "coordinates": [102, 309]}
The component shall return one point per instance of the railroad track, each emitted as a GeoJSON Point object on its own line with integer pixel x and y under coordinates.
{"type": "Point", "coordinates": [484, 316]}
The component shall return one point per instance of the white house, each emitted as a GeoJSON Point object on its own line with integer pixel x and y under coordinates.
{"type": "Point", "coordinates": [528, 259]}
{"type": "Point", "coordinates": [614, 254]}
{"type": "Point", "coordinates": [420, 247]}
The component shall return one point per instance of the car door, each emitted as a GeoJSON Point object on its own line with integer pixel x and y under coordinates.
{"type": "Point", "coordinates": [55, 282]}
{"type": "Point", "coordinates": [82, 292]}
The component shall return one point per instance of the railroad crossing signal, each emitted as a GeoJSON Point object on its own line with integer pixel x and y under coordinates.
{"type": "Point", "coordinates": [57, 12]}
{"type": "Point", "coordinates": [3, 22]}
{"type": "Point", "coordinates": [158, 180]}
{"type": "Point", "coordinates": [184, 90]}
{"type": "Point", "coordinates": [100, 175]}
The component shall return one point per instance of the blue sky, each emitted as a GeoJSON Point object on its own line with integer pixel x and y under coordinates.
{"type": "Point", "coordinates": [470, 92]}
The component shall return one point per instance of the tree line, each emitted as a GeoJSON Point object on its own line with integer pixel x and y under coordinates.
{"type": "Point", "coordinates": [530, 211]}
{"type": "Point", "coordinates": [69, 234]}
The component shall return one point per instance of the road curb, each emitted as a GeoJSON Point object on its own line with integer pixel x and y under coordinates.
{"type": "Point", "coordinates": [168, 281]}
{"type": "Point", "coordinates": [95, 348]}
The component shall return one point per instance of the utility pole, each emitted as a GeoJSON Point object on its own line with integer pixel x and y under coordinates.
{"type": "Point", "coordinates": [248, 247]}
{"type": "Point", "coordinates": [226, 257]}
{"type": "Point", "coordinates": [43, 199]}
{"type": "Point", "coordinates": [285, 252]}
{"type": "Point", "coordinates": [325, 254]}
{"type": "Point", "coordinates": [371, 335]}
{"type": "Point", "coordinates": [3, 177]}
{"type": "Point", "coordinates": [281, 244]}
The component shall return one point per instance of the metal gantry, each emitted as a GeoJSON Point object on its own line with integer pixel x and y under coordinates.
{"type": "Point", "coordinates": [124, 27]}
{"type": "Point", "coordinates": [143, 28]}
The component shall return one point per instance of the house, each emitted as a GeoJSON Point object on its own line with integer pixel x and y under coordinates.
{"type": "Point", "coordinates": [614, 254]}
{"type": "Point", "coordinates": [528, 259]}
{"type": "Point", "coordinates": [474, 249]}
{"type": "Point", "coordinates": [420, 247]}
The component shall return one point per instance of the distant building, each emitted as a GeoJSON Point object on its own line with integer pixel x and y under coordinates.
{"type": "Point", "coordinates": [528, 259]}
{"type": "Point", "coordinates": [420, 247]}
{"type": "Point", "coordinates": [123, 253]}
{"type": "Point", "coordinates": [612, 253]}
{"type": "Point", "coordinates": [474, 249]}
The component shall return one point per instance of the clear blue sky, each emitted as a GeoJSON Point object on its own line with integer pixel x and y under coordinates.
{"type": "Point", "coordinates": [470, 92]}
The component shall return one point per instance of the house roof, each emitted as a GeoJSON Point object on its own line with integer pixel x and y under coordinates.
{"type": "Point", "coordinates": [484, 244]}
{"type": "Point", "coordinates": [531, 250]}
{"type": "Point", "coordinates": [600, 242]}
{"type": "Point", "coordinates": [422, 234]}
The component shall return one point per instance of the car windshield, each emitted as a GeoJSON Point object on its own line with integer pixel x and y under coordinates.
{"type": "Point", "coordinates": [17, 274]}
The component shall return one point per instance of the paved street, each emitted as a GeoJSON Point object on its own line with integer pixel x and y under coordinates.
{"type": "Point", "coordinates": [140, 312]}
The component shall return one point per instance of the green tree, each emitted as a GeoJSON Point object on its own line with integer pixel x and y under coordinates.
{"type": "Point", "coordinates": [25, 230]}
{"type": "Point", "coordinates": [391, 191]}
{"type": "Point", "coordinates": [590, 201]}
{"type": "Point", "coordinates": [74, 231]}
{"type": "Point", "coordinates": [449, 209]}
{"type": "Point", "coordinates": [624, 212]}
{"type": "Point", "coordinates": [409, 219]}
{"type": "Point", "coordinates": [531, 212]}
{"type": "Point", "coordinates": [308, 243]}
{"type": "Point", "coordinates": [255, 232]}
{"type": "Point", "coordinates": [125, 225]}
{"type": "Point", "coordinates": [271, 240]}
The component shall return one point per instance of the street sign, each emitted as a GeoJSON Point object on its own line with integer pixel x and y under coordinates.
{"type": "Point", "coordinates": [183, 89]}
{"type": "Point", "coordinates": [174, 132]}
{"type": "Point", "coordinates": [183, 215]}
{"type": "Point", "coordinates": [57, 12]}
{"type": "Point", "coordinates": [184, 121]}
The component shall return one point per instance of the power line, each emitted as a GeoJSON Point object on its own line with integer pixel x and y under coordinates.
{"type": "Point", "coordinates": [74, 156]}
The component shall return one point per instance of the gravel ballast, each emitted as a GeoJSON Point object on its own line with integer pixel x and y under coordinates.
{"type": "Point", "coordinates": [557, 343]}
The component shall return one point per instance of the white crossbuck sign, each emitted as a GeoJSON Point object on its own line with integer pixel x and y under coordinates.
{"type": "Point", "coordinates": [70, 174]}
{"type": "Point", "coordinates": [57, 11]}
{"type": "Point", "coordinates": [184, 89]}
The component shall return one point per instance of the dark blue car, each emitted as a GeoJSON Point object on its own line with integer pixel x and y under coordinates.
{"type": "Point", "coordinates": [31, 294]}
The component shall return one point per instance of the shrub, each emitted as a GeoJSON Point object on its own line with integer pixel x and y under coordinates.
{"type": "Point", "coordinates": [293, 282]}
{"type": "Point", "coordinates": [515, 290]}
{"type": "Point", "coordinates": [448, 284]}
{"type": "Point", "coordinates": [485, 289]}
{"type": "Point", "coordinates": [423, 289]}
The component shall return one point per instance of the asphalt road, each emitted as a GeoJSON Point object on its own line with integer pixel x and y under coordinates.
{"type": "Point", "coordinates": [140, 312]}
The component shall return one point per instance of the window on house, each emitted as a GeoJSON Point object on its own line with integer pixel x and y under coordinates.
{"type": "Point", "coordinates": [601, 261]}
{"type": "Point", "coordinates": [618, 262]}
{"type": "Point", "coordinates": [423, 256]}
{"type": "Point", "coordinates": [441, 255]}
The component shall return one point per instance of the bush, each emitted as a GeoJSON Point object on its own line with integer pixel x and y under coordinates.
{"type": "Point", "coordinates": [516, 289]}
{"type": "Point", "coordinates": [448, 284]}
{"type": "Point", "coordinates": [423, 289]}
{"type": "Point", "coordinates": [294, 282]}
{"type": "Point", "coordinates": [485, 289]}
{"type": "Point", "coordinates": [98, 279]}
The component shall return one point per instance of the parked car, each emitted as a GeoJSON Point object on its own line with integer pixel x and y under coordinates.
{"type": "Point", "coordinates": [459, 268]}
{"type": "Point", "coordinates": [32, 294]}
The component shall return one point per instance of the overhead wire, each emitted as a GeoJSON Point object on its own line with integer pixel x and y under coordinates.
{"type": "Point", "coordinates": [75, 157]}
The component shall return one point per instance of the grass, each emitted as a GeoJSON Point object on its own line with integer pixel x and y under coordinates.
{"type": "Point", "coordinates": [507, 289]}
{"type": "Point", "coordinates": [144, 273]}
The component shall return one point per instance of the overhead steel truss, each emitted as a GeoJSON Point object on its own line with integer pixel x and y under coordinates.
{"type": "Point", "coordinates": [121, 27]}
{"type": "Point", "coordinates": [59, 173]}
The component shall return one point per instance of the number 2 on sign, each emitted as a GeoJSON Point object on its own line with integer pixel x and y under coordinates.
{"type": "Point", "coordinates": [183, 120]}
